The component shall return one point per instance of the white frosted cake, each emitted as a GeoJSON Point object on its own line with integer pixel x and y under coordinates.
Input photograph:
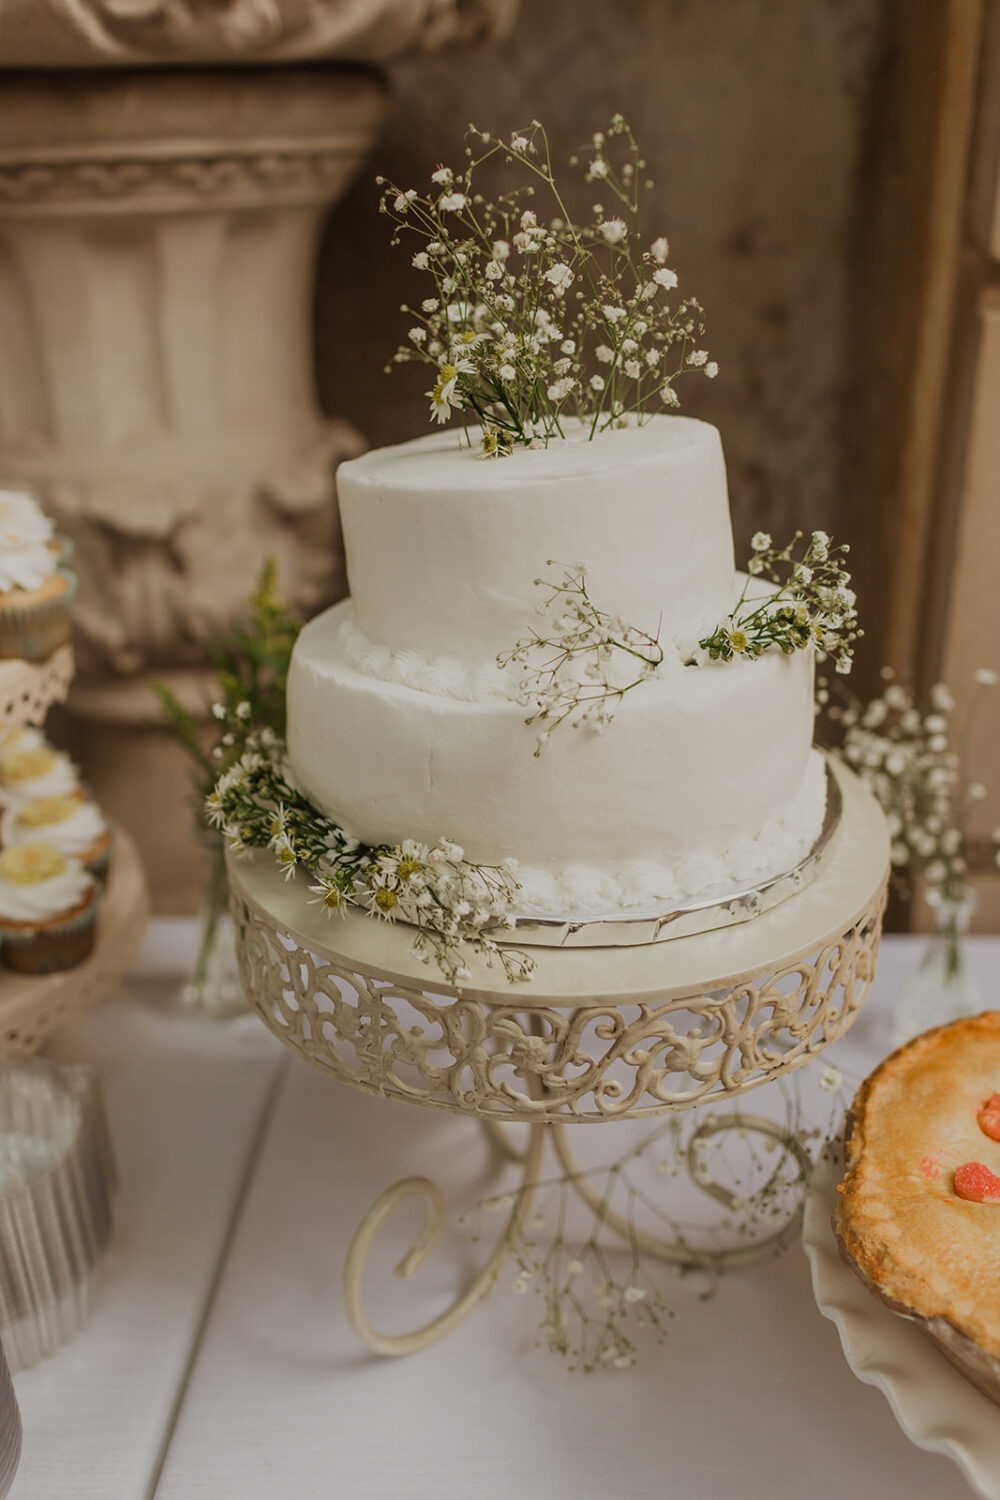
{"type": "Point", "coordinates": [401, 725]}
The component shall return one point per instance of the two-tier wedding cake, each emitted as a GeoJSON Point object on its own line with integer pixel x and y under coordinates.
{"type": "Point", "coordinates": [402, 725]}
{"type": "Point", "coordinates": [551, 702]}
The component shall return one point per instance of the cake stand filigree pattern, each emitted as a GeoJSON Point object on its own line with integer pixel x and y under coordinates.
{"type": "Point", "coordinates": [595, 1035]}
{"type": "Point", "coordinates": [584, 1063]}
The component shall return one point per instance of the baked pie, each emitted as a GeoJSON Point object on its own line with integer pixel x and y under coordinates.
{"type": "Point", "coordinates": [918, 1212]}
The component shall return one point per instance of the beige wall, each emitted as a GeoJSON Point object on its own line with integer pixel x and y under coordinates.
{"type": "Point", "coordinates": [972, 637]}
{"type": "Point", "coordinates": [964, 624]}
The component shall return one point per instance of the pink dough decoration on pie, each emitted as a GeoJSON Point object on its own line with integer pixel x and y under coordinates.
{"type": "Point", "coordinates": [976, 1183]}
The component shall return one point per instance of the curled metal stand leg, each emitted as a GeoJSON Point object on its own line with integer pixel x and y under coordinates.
{"type": "Point", "coordinates": [430, 1234]}
{"type": "Point", "coordinates": [677, 1251]}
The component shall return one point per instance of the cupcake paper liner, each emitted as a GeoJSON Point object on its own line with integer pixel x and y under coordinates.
{"type": "Point", "coordinates": [60, 944]}
{"type": "Point", "coordinates": [33, 631]}
{"type": "Point", "coordinates": [99, 864]}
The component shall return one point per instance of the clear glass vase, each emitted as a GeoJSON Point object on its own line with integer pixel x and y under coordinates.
{"type": "Point", "coordinates": [945, 985]}
{"type": "Point", "coordinates": [214, 986]}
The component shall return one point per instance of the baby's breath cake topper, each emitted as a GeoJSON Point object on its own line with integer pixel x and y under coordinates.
{"type": "Point", "coordinates": [531, 318]}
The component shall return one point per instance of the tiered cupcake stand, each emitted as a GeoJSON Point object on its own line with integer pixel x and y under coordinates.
{"type": "Point", "coordinates": [33, 1006]}
{"type": "Point", "coordinates": [597, 1034]}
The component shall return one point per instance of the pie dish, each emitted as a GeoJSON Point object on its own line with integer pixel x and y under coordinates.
{"type": "Point", "coordinates": [936, 1407]}
{"type": "Point", "coordinates": [918, 1210]}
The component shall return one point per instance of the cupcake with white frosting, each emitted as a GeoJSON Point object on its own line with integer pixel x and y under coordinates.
{"type": "Point", "coordinates": [48, 909]}
{"type": "Point", "coordinates": [39, 771]}
{"type": "Point", "coordinates": [22, 737]}
{"type": "Point", "coordinates": [36, 591]}
{"type": "Point", "coordinates": [72, 823]}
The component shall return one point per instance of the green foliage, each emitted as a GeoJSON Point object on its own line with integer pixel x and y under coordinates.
{"type": "Point", "coordinates": [252, 665]}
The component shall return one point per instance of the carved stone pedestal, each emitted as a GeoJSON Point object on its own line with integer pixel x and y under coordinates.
{"type": "Point", "coordinates": [157, 238]}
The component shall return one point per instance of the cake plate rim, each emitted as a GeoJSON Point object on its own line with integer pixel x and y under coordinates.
{"type": "Point", "coordinates": [850, 879]}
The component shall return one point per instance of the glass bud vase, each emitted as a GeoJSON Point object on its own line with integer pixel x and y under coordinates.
{"type": "Point", "coordinates": [945, 985]}
{"type": "Point", "coordinates": [214, 986]}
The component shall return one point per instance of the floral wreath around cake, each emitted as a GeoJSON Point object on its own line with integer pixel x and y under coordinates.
{"type": "Point", "coordinates": [450, 901]}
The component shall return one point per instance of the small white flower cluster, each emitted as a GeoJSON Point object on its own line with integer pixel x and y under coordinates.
{"type": "Point", "coordinates": [909, 756]}
{"type": "Point", "coordinates": [600, 1304]}
{"type": "Point", "coordinates": [813, 605]}
{"type": "Point", "coordinates": [526, 308]}
{"type": "Point", "coordinates": [454, 905]}
{"type": "Point", "coordinates": [581, 668]}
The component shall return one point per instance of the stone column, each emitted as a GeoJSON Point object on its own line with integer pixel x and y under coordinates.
{"type": "Point", "coordinates": [157, 238]}
{"type": "Point", "coordinates": [157, 241]}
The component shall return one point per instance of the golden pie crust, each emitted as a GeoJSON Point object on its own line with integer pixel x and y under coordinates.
{"type": "Point", "coordinates": [923, 1250]}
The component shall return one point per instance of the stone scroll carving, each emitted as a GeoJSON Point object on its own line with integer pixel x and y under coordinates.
{"type": "Point", "coordinates": [99, 33]}
{"type": "Point", "coordinates": [166, 565]}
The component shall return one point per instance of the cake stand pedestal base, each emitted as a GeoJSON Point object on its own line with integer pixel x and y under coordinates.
{"type": "Point", "coordinates": [595, 1035]}
{"type": "Point", "coordinates": [678, 1252]}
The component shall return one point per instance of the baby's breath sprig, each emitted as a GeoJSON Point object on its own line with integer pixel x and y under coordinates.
{"type": "Point", "coordinates": [449, 900]}
{"type": "Point", "coordinates": [915, 757]}
{"type": "Point", "coordinates": [534, 317]}
{"type": "Point", "coordinates": [583, 1251]}
{"type": "Point", "coordinates": [813, 605]}
{"type": "Point", "coordinates": [581, 669]}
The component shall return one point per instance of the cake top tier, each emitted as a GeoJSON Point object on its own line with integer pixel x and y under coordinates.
{"type": "Point", "coordinates": [452, 459]}
{"type": "Point", "coordinates": [443, 546]}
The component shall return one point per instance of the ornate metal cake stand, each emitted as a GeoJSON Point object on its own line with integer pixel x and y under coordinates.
{"type": "Point", "coordinates": [595, 1034]}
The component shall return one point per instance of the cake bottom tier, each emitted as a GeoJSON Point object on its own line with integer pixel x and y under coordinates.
{"type": "Point", "coordinates": [704, 783]}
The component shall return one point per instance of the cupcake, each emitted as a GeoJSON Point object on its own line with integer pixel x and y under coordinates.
{"type": "Point", "coordinates": [36, 591]}
{"type": "Point", "coordinates": [22, 737]}
{"type": "Point", "coordinates": [39, 771]}
{"type": "Point", "coordinates": [48, 909]}
{"type": "Point", "coordinates": [72, 823]}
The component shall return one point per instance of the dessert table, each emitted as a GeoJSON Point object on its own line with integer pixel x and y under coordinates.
{"type": "Point", "coordinates": [219, 1361]}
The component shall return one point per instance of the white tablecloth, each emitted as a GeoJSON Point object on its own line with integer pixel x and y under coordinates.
{"type": "Point", "coordinates": [219, 1362]}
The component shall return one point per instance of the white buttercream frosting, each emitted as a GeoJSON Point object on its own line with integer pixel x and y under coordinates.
{"type": "Point", "coordinates": [692, 783]}
{"type": "Point", "coordinates": [400, 724]}
{"type": "Point", "coordinates": [38, 771]}
{"type": "Point", "coordinates": [22, 737]}
{"type": "Point", "coordinates": [780, 845]}
{"type": "Point", "coordinates": [67, 823]}
{"type": "Point", "coordinates": [444, 675]}
{"type": "Point", "coordinates": [27, 560]}
{"type": "Point", "coordinates": [27, 899]}
{"type": "Point", "coordinates": [443, 547]}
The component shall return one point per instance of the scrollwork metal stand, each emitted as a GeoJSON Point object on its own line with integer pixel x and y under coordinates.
{"type": "Point", "coordinates": [595, 1035]}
